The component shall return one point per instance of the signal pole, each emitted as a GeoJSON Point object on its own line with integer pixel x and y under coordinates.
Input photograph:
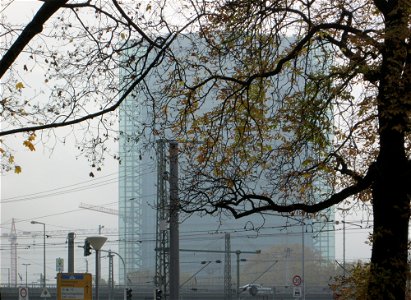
{"type": "Point", "coordinates": [161, 279]}
{"type": "Point", "coordinates": [174, 228]}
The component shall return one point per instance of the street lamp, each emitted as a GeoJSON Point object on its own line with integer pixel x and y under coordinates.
{"type": "Point", "coordinates": [97, 243]}
{"type": "Point", "coordinates": [26, 265]}
{"type": "Point", "coordinates": [205, 263]}
{"type": "Point", "coordinates": [44, 251]}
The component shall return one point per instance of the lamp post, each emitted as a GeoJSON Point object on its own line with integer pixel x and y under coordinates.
{"type": "Point", "coordinates": [44, 251]}
{"type": "Point", "coordinates": [97, 243]}
{"type": "Point", "coordinates": [205, 263]}
{"type": "Point", "coordinates": [238, 252]}
{"type": "Point", "coordinates": [26, 265]}
{"type": "Point", "coordinates": [303, 255]}
{"type": "Point", "coordinates": [124, 267]}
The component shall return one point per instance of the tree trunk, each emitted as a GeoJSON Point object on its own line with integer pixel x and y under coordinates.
{"type": "Point", "coordinates": [391, 203]}
{"type": "Point", "coordinates": [391, 208]}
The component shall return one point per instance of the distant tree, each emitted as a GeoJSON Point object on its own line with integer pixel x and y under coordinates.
{"type": "Point", "coordinates": [277, 266]}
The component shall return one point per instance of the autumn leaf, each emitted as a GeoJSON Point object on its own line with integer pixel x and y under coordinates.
{"type": "Point", "coordinates": [19, 85]}
{"type": "Point", "coordinates": [29, 145]}
{"type": "Point", "coordinates": [32, 137]}
{"type": "Point", "coordinates": [122, 35]}
{"type": "Point", "coordinates": [17, 169]}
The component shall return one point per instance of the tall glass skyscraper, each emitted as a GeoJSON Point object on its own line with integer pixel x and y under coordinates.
{"type": "Point", "coordinates": [138, 216]}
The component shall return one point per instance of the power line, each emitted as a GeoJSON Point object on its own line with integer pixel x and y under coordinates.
{"type": "Point", "coordinates": [72, 188]}
{"type": "Point", "coordinates": [57, 191]}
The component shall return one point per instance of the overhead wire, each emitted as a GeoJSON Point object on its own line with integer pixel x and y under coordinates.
{"type": "Point", "coordinates": [72, 188]}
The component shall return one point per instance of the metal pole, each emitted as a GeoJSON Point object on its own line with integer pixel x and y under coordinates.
{"type": "Point", "coordinates": [70, 238]}
{"type": "Point", "coordinates": [238, 274]}
{"type": "Point", "coordinates": [237, 252]}
{"type": "Point", "coordinates": [174, 272]}
{"type": "Point", "coordinates": [44, 255]}
{"type": "Point", "coordinates": [44, 251]}
{"type": "Point", "coordinates": [99, 254]}
{"type": "Point", "coordinates": [97, 273]}
{"type": "Point", "coordinates": [110, 276]}
{"type": "Point", "coordinates": [124, 269]}
{"type": "Point", "coordinates": [344, 245]}
{"type": "Point", "coordinates": [303, 256]}
{"type": "Point", "coordinates": [26, 265]}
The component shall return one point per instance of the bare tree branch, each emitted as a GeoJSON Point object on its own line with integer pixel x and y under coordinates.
{"type": "Point", "coordinates": [30, 31]}
{"type": "Point", "coordinates": [336, 198]}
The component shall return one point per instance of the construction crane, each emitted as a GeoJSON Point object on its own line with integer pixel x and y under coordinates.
{"type": "Point", "coordinates": [98, 208]}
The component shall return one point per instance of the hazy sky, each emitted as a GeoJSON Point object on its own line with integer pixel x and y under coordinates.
{"type": "Point", "coordinates": [52, 186]}
{"type": "Point", "coordinates": [50, 190]}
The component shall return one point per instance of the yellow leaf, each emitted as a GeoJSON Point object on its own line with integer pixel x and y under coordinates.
{"type": "Point", "coordinates": [122, 35]}
{"type": "Point", "coordinates": [19, 85]}
{"type": "Point", "coordinates": [11, 159]}
{"type": "Point", "coordinates": [148, 7]}
{"type": "Point", "coordinates": [17, 169]}
{"type": "Point", "coordinates": [32, 137]}
{"type": "Point", "coordinates": [29, 145]}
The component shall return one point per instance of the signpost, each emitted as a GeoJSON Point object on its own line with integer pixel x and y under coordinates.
{"type": "Point", "coordinates": [59, 265]}
{"type": "Point", "coordinates": [297, 293]}
{"type": "Point", "coordinates": [74, 286]}
{"type": "Point", "coordinates": [23, 293]}
{"type": "Point", "coordinates": [297, 280]}
{"type": "Point", "coordinates": [45, 293]}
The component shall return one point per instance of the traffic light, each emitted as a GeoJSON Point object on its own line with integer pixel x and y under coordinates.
{"type": "Point", "coordinates": [128, 294]}
{"type": "Point", "coordinates": [158, 294]}
{"type": "Point", "coordinates": [87, 248]}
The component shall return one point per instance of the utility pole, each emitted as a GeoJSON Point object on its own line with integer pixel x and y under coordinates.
{"type": "Point", "coordinates": [344, 266]}
{"type": "Point", "coordinates": [100, 227]}
{"type": "Point", "coordinates": [227, 268]}
{"type": "Point", "coordinates": [26, 265]}
{"type": "Point", "coordinates": [162, 231]}
{"type": "Point", "coordinates": [174, 274]}
{"type": "Point", "coordinates": [110, 276]}
{"type": "Point", "coordinates": [70, 244]}
{"type": "Point", "coordinates": [303, 254]}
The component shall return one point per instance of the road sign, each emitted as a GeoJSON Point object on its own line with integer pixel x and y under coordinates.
{"type": "Point", "coordinates": [59, 264]}
{"type": "Point", "coordinates": [74, 286]}
{"type": "Point", "coordinates": [297, 280]}
{"type": "Point", "coordinates": [23, 293]}
{"type": "Point", "coordinates": [45, 293]}
{"type": "Point", "coordinates": [297, 292]}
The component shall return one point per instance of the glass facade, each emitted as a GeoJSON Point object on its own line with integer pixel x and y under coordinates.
{"type": "Point", "coordinates": [138, 217]}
